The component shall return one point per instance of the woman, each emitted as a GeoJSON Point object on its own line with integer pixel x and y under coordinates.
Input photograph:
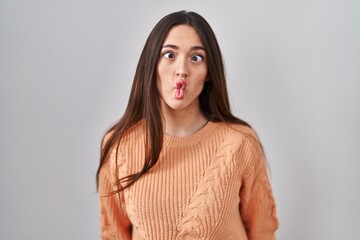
{"type": "Point", "coordinates": [178, 164]}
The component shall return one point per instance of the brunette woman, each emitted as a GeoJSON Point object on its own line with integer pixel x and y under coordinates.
{"type": "Point", "coordinates": [179, 164]}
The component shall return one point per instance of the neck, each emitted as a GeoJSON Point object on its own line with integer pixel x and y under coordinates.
{"type": "Point", "coordinates": [181, 123]}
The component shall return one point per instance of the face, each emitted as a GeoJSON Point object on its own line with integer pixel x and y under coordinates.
{"type": "Point", "coordinates": [182, 69]}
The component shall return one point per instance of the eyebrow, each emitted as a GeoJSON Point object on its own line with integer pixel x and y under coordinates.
{"type": "Point", "coordinates": [177, 47]}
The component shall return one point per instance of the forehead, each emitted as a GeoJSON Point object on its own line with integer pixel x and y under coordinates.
{"type": "Point", "coordinates": [183, 34]}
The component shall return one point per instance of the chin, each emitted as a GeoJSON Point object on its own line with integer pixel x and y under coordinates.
{"type": "Point", "coordinates": [178, 105]}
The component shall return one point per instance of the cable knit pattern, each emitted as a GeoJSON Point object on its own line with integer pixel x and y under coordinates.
{"type": "Point", "coordinates": [210, 185]}
{"type": "Point", "coordinates": [210, 195]}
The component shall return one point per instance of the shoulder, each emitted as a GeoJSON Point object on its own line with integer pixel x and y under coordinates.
{"type": "Point", "coordinates": [134, 134]}
{"type": "Point", "coordinates": [114, 142]}
{"type": "Point", "coordinates": [243, 132]}
{"type": "Point", "coordinates": [122, 137]}
{"type": "Point", "coordinates": [244, 141]}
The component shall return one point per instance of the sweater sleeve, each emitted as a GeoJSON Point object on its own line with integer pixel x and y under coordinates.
{"type": "Point", "coordinates": [257, 205]}
{"type": "Point", "coordinates": [114, 222]}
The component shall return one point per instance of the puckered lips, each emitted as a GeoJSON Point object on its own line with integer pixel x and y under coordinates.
{"type": "Point", "coordinates": [180, 88]}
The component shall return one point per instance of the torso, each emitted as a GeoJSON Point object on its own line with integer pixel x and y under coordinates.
{"type": "Point", "coordinates": [193, 190]}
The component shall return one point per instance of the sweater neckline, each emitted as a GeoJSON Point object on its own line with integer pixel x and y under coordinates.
{"type": "Point", "coordinates": [192, 139]}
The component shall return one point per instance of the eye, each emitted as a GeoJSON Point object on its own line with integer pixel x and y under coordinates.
{"type": "Point", "coordinates": [169, 54]}
{"type": "Point", "coordinates": [197, 58]}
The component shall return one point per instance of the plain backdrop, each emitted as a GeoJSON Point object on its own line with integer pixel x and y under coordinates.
{"type": "Point", "coordinates": [66, 69]}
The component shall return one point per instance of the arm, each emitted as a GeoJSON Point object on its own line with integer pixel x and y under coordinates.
{"type": "Point", "coordinates": [257, 205]}
{"type": "Point", "coordinates": [114, 222]}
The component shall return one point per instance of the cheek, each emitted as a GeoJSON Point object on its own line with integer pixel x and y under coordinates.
{"type": "Point", "coordinates": [202, 76]}
{"type": "Point", "coordinates": [163, 70]}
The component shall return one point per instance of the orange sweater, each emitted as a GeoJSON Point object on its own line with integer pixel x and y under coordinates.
{"type": "Point", "coordinates": [210, 185]}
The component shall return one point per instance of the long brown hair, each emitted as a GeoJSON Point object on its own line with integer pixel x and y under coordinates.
{"type": "Point", "coordinates": [144, 101]}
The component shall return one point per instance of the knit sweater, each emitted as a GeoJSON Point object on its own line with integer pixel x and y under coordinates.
{"type": "Point", "coordinates": [210, 185]}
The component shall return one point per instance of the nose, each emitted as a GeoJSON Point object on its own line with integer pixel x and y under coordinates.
{"type": "Point", "coordinates": [182, 69]}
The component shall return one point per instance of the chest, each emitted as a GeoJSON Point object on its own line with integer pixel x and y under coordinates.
{"type": "Point", "coordinates": [169, 185]}
{"type": "Point", "coordinates": [185, 188]}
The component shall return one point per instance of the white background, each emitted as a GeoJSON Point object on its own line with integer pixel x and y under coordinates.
{"type": "Point", "coordinates": [66, 69]}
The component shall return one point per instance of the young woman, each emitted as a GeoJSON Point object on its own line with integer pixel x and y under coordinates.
{"type": "Point", "coordinates": [178, 164]}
